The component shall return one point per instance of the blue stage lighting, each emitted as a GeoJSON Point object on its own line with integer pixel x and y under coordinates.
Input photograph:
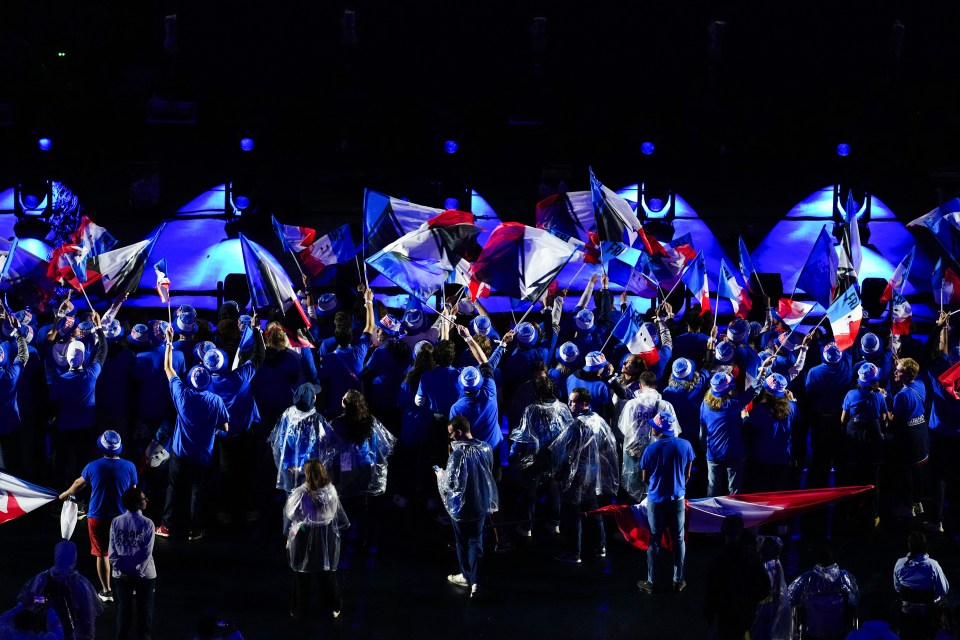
{"type": "Point", "coordinates": [45, 144]}
{"type": "Point", "coordinates": [451, 203]}
{"type": "Point", "coordinates": [241, 202]}
{"type": "Point", "coordinates": [655, 204]}
{"type": "Point", "coordinates": [451, 146]}
{"type": "Point", "coordinates": [30, 201]}
{"type": "Point", "coordinates": [246, 144]}
{"type": "Point", "coordinates": [843, 149]}
{"type": "Point", "coordinates": [647, 148]}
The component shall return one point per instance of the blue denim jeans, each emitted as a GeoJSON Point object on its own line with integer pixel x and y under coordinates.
{"type": "Point", "coordinates": [468, 535]}
{"type": "Point", "coordinates": [720, 470]}
{"type": "Point", "coordinates": [669, 515]}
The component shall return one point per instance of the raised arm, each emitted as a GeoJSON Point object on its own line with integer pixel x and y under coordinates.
{"type": "Point", "coordinates": [168, 355]}
{"type": "Point", "coordinates": [368, 304]}
{"type": "Point", "coordinates": [475, 349]}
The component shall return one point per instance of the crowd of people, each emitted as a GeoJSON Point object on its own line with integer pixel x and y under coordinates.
{"type": "Point", "coordinates": [529, 428]}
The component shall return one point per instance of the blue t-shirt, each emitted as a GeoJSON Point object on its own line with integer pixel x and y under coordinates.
{"type": "Point", "coordinates": [339, 372]}
{"type": "Point", "coordinates": [115, 388]}
{"type": "Point", "coordinates": [864, 405]}
{"type": "Point", "coordinates": [690, 345]}
{"type": "Point", "coordinates": [276, 380]}
{"type": "Point", "coordinates": [440, 387]}
{"type": "Point", "coordinates": [237, 395]}
{"type": "Point", "coordinates": [827, 384]}
{"type": "Point", "coordinates": [600, 397]}
{"type": "Point", "coordinates": [385, 373]}
{"type": "Point", "coordinates": [908, 404]}
{"type": "Point", "coordinates": [480, 409]}
{"type": "Point", "coordinates": [199, 415]}
{"type": "Point", "coordinates": [722, 431]}
{"type": "Point", "coordinates": [686, 404]}
{"type": "Point", "coordinates": [153, 407]}
{"type": "Point", "coordinates": [75, 394]}
{"type": "Point", "coordinates": [768, 439]}
{"type": "Point", "coordinates": [108, 479]}
{"type": "Point", "coordinates": [665, 460]}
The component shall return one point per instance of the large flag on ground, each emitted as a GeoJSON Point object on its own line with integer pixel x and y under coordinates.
{"type": "Point", "coordinates": [902, 315]}
{"type": "Point", "coordinates": [705, 515]}
{"type": "Point", "coordinates": [420, 261]}
{"type": "Point", "coordinates": [336, 247]}
{"type": "Point", "coordinates": [520, 261]}
{"type": "Point", "coordinates": [269, 286]}
{"type": "Point", "coordinates": [728, 287]}
{"type": "Point", "coordinates": [695, 278]}
{"type": "Point", "coordinates": [632, 332]}
{"type": "Point", "coordinates": [386, 219]}
{"type": "Point", "coordinates": [163, 282]}
{"type": "Point", "coordinates": [845, 316]}
{"type": "Point", "coordinates": [792, 312]}
{"type": "Point", "coordinates": [292, 238]}
{"type": "Point", "coordinates": [946, 285]}
{"type": "Point", "coordinates": [26, 274]}
{"type": "Point", "coordinates": [747, 270]}
{"type": "Point", "coordinates": [638, 280]}
{"type": "Point", "coordinates": [900, 275]}
{"type": "Point", "coordinates": [819, 275]}
{"type": "Point", "coordinates": [18, 497]}
{"type": "Point", "coordinates": [615, 218]}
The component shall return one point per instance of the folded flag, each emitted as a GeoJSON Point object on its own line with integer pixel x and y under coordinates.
{"type": "Point", "coordinates": [633, 332]}
{"type": "Point", "coordinates": [902, 315]}
{"type": "Point", "coordinates": [695, 279]}
{"type": "Point", "coordinates": [792, 312]}
{"type": "Point", "coordinates": [18, 497]}
{"type": "Point", "coordinates": [387, 219]}
{"type": "Point", "coordinates": [900, 275]}
{"type": "Point", "coordinates": [520, 261]}
{"type": "Point", "coordinates": [729, 288]}
{"type": "Point", "coordinates": [946, 285]}
{"type": "Point", "coordinates": [819, 275]}
{"type": "Point", "coordinates": [269, 286]}
{"type": "Point", "coordinates": [293, 239]}
{"type": "Point", "coordinates": [163, 282]}
{"type": "Point", "coordinates": [336, 247]}
{"type": "Point", "coordinates": [845, 316]}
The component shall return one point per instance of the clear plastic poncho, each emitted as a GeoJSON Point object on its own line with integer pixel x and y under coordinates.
{"type": "Point", "coordinates": [823, 581]}
{"type": "Point", "coordinates": [299, 436]}
{"type": "Point", "coordinates": [774, 619]}
{"type": "Point", "coordinates": [466, 486]}
{"type": "Point", "coordinates": [72, 597]}
{"type": "Point", "coordinates": [316, 519]}
{"type": "Point", "coordinates": [540, 425]}
{"type": "Point", "coordinates": [359, 470]}
{"type": "Point", "coordinates": [584, 458]}
{"type": "Point", "coordinates": [634, 424]}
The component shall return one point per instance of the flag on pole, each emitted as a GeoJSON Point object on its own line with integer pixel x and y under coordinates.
{"type": "Point", "coordinates": [18, 497]}
{"type": "Point", "coordinates": [729, 288]}
{"type": "Point", "coordinates": [387, 219]}
{"type": "Point", "coordinates": [632, 331]}
{"type": "Point", "coordinates": [163, 282]}
{"type": "Point", "coordinates": [695, 278]}
{"type": "Point", "coordinates": [792, 312]}
{"type": "Point", "coordinates": [87, 240]}
{"type": "Point", "coordinates": [946, 284]}
{"type": "Point", "coordinates": [900, 275]}
{"type": "Point", "coordinates": [902, 315]}
{"type": "Point", "coordinates": [336, 247]}
{"type": "Point", "coordinates": [747, 270]}
{"type": "Point", "coordinates": [949, 380]}
{"type": "Point", "coordinates": [7, 258]}
{"type": "Point", "coordinates": [293, 239]}
{"type": "Point", "coordinates": [638, 280]}
{"type": "Point", "coordinates": [845, 316]}
{"type": "Point", "coordinates": [520, 261]}
{"type": "Point", "coordinates": [948, 212]}
{"type": "Point", "coordinates": [670, 261]}
{"type": "Point", "coordinates": [615, 219]}
{"type": "Point", "coordinates": [819, 275]}
{"type": "Point", "coordinates": [851, 254]}
{"type": "Point", "coordinates": [26, 274]}
{"type": "Point", "coordinates": [268, 284]}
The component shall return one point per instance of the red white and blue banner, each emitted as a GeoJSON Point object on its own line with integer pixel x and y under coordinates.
{"type": "Point", "coordinates": [336, 247]}
{"type": "Point", "coordinates": [729, 288]}
{"type": "Point", "coordinates": [819, 275]}
{"type": "Point", "coordinates": [292, 238]}
{"type": "Point", "coordinates": [946, 285]}
{"type": "Point", "coordinates": [18, 497]}
{"type": "Point", "coordinates": [900, 275]}
{"type": "Point", "coordinates": [387, 219]}
{"type": "Point", "coordinates": [792, 312]}
{"type": "Point", "coordinates": [632, 331]}
{"type": "Point", "coordinates": [163, 282]}
{"type": "Point", "coordinates": [269, 286]}
{"type": "Point", "coordinates": [845, 316]}
{"type": "Point", "coordinates": [695, 279]}
{"type": "Point", "coordinates": [902, 315]}
{"type": "Point", "coordinates": [747, 270]}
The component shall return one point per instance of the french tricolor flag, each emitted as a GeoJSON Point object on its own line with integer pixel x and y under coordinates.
{"type": "Point", "coordinates": [846, 314]}
{"type": "Point", "coordinates": [792, 312]}
{"type": "Point", "coordinates": [899, 277]}
{"type": "Point", "coordinates": [731, 289]}
{"type": "Point", "coordinates": [695, 278]}
{"type": "Point", "coordinates": [632, 331]}
{"type": "Point", "coordinates": [902, 314]}
{"type": "Point", "coordinates": [946, 284]}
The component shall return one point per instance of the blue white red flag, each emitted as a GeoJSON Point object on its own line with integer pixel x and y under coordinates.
{"type": "Point", "coordinates": [695, 278]}
{"type": "Point", "coordinates": [946, 285]}
{"type": "Point", "coordinates": [387, 219]}
{"type": "Point", "coordinates": [728, 287]}
{"type": "Point", "coordinates": [638, 280]}
{"type": "Point", "coordinates": [163, 282]}
{"type": "Point", "coordinates": [819, 275]}
{"type": "Point", "coordinates": [293, 239]}
{"type": "Point", "coordinates": [615, 219]}
{"type": "Point", "coordinates": [902, 315]}
{"type": "Point", "coordinates": [25, 273]}
{"type": "Point", "coordinates": [520, 261]}
{"type": "Point", "coordinates": [632, 331]}
{"type": "Point", "coordinates": [747, 270]}
{"type": "Point", "coordinates": [268, 284]}
{"type": "Point", "coordinates": [18, 497]}
{"type": "Point", "coordinates": [845, 315]}
{"type": "Point", "coordinates": [851, 253]}
{"type": "Point", "coordinates": [336, 247]}
{"type": "Point", "coordinates": [949, 213]}
{"type": "Point", "coordinates": [792, 312]}
{"type": "Point", "coordinates": [900, 275]}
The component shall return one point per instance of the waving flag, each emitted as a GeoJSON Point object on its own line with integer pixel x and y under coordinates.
{"type": "Point", "coordinates": [293, 239]}
{"type": "Point", "coordinates": [269, 286]}
{"type": "Point", "coordinates": [387, 219]}
{"type": "Point", "coordinates": [949, 380]}
{"type": "Point", "coordinates": [792, 312]}
{"type": "Point", "coordinates": [899, 277]}
{"type": "Point", "coordinates": [334, 248]}
{"type": "Point", "coordinates": [18, 497]}
{"type": "Point", "coordinates": [695, 278]}
{"type": "Point", "coordinates": [671, 259]}
{"type": "Point", "coordinates": [728, 287]}
{"type": "Point", "coordinates": [747, 270]}
{"type": "Point", "coordinates": [520, 261]}
{"type": "Point", "coordinates": [97, 239]}
{"type": "Point", "coordinates": [946, 285]}
{"type": "Point", "coordinates": [845, 316]}
{"type": "Point", "coordinates": [26, 274]}
{"type": "Point", "coordinates": [116, 274]}
{"type": "Point", "coordinates": [68, 261]}
{"type": "Point", "coordinates": [851, 254]}
{"type": "Point", "coordinates": [949, 213]}
{"type": "Point", "coordinates": [705, 515]}
{"type": "Point", "coordinates": [632, 332]}
{"type": "Point", "coordinates": [163, 282]}
{"type": "Point", "coordinates": [902, 315]}
{"type": "Point", "coordinates": [615, 219]}
{"type": "Point", "coordinates": [420, 261]}
{"type": "Point", "coordinates": [637, 280]}
{"type": "Point", "coordinates": [819, 275]}
{"type": "Point", "coordinates": [569, 214]}
{"type": "Point", "coordinates": [7, 258]}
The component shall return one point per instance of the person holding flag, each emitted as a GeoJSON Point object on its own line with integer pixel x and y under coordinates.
{"type": "Point", "coordinates": [340, 370]}
{"type": "Point", "coordinates": [941, 382]}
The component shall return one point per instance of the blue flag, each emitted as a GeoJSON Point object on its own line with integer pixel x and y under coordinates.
{"type": "Point", "coordinates": [819, 276]}
{"type": "Point", "coordinates": [746, 267]}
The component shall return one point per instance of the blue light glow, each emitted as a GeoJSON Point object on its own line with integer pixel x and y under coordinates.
{"type": "Point", "coordinates": [451, 203]}
{"type": "Point", "coordinates": [843, 149]}
{"type": "Point", "coordinates": [30, 201]}
{"type": "Point", "coordinates": [655, 204]}
{"type": "Point", "coordinates": [246, 144]}
{"type": "Point", "coordinates": [451, 146]}
{"type": "Point", "coordinates": [45, 144]}
{"type": "Point", "coordinates": [241, 202]}
{"type": "Point", "coordinates": [647, 148]}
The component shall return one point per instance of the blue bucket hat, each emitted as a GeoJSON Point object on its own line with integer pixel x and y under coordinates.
{"type": "Point", "coordinates": [390, 326]}
{"type": "Point", "coordinates": [140, 335]}
{"type": "Point", "coordinates": [584, 320]}
{"type": "Point", "coordinates": [683, 369]}
{"type": "Point", "coordinates": [327, 304]}
{"type": "Point", "coordinates": [526, 334]}
{"type": "Point", "coordinates": [869, 344]}
{"type": "Point", "coordinates": [720, 383]}
{"type": "Point", "coordinates": [738, 330]}
{"type": "Point", "coordinates": [776, 384]}
{"type": "Point", "coordinates": [470, 378]}
{"type": "Point", "coordinates": [832, 353]}
{"type": "Point", "coordinates": [66, 326]}
{"type": "Point", "coordinates": [414, 321]}
{"type": "Point", "coordinates": [664, 423]}
{"type": "Point", "coordinates": [199, 377]}
{"type": "Point", "coordinates": [110, 443]}
{"type": "Point", "coordinates": [158, 330]}
{"type": "Point", "coordinates": [112, 330]}
{"type": "Point", "coordinates": [215, 360]}
{"type": "Point", "coordinates": [201, 348]}
{"type": "Point", "coordinates": [595, 361]}
{"type": "Point", "coordinates": [868, 373]}
{"type": "Point", "coordinates": [185, 321]}
{"type": "Point", "coordinates": [724, 352]}
{"type": "Point", "coordinates": [481, 326]}
{"type": "Point", "coordinates": [568, 353]}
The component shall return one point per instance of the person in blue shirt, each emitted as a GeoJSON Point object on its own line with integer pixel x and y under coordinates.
{"type": "Point", "coordinates": [864, 413]}
{"type": "Point", "coordinates": [14, 438]}
{"type": "Point", "coordinates": [870, 349]}
{"type": "Point", "coordinates": [340, 370]}
{"type": "Point", "coordinates": [692, 345]}
{"type": "Point", "coordinates": [282, 371]}
{"type": "Point", "coordinates": [721, 433]}
{"type": "Point", "coordinates": [108, 478]}
{"type": "Point", "coordinates": [568, 361]}
{"type": "Point", "coordinates": [910, 436]}
{"type": "Point", "coordinates": [411, 465]}
{"type": "Point", "coordinates": [384, 371]}
{"type": "Point", "coordinates": [531, 345]}
{"type": "Point", "coordinates": [666, 466]}
{"type": "Point", "coordinates": [826, 386]}
{"type": "Point", "coordinates": [115, 386]}
{"type": "Point", "coordinates": [768, 430]}
{"type": "Point", "coordinates": [944, 424]}
{"type": "Point", "coordinates": [685, 393]}
{"type": "Point", "coordinates": [153, 409]}
{"type": "Point", "coordinates": [439, 387]}
{"type": "Point", "coordinates": [201, 415]}
{"type": "Point", "coordinates": [593, 378]}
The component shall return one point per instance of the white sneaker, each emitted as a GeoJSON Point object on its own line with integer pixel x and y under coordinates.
{"type": "Point", "coordinates": [474, 591]}
{"type": "Point", "coordinates": [917, 508]}
{"type": "Point", "coordinates": [523, 532]}
{"type": "Point", "coordinates": [458, 579]}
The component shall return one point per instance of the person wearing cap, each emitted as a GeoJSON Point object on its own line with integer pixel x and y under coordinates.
{"type": "Point", "coordinates": [108, 478]}
{"type": "Point", "coordinates": [635, 431]}
{"type": "Point", "coordinates": [340, 370]}
{"type": "Point", "coordinates": [530, 346]}
{"type": "Point", "coordinates": [663, 340]}
{"type": "Point", "coordinates": [864, 413]}
{"type": "Point", "coordinates": [593, 377]}
{"type": "Point", "coordinates": [870, 349]}
{"type": "Point", "coordinates": [944, 424]}
{"type": "Point", "coordinates": [189, 330]}
{"type": "Point", "coordinates": [131, 559]}
{"type": "Point", "coordinates": [568, 361]}
{"type": "Point", "coordinates": [911, 436]}
{"type": "Point", "coordinates": [584, 462]}
{"type": "Point", "coordinates": [692, 344]}
{"type": "Point", "coordinates": [296, 437]}
{"type": "Point", "coordinates": [685, 393]}
{"type": "Point", "coordinates": [71, 596]}
{"type": "Point", "coordinates": [283, 370]}
{"type": "Point", "coordinates": [14, 436]}
{"type": "Point", "coordinates": [478, 400]}
{"type": "Point", "coordinates": [201, 414]}
{"type": "Point", "coordinates": [721, 432]}
{"type": "Point", "coordinates": [153, 409]}
{"type": "Point", "coordinates": [115, 393]}
{"type": "Point", "coordinates": [626, 384]}
{"type": "Point", "coordinates": [768, 428]}
{"type": "Point", "coordinates": [789, 358]}
{"type": "Point", "coordinates": [825, 388]}
{"type": "Point", "coordinates": [73, 393]}
{"type": "Point", "coordinates": [384, 371]}
{"type": "Point", "coordinates": [416, 325]}
{"type": "Point", "coordinates": [666, 466]}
